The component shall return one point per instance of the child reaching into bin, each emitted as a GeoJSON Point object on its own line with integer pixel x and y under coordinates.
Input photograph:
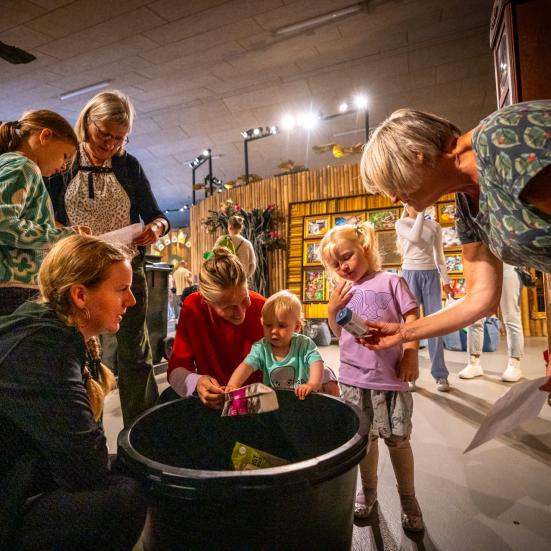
{"type": "Point", "coordinates": [375, 381]}
{"type": "Point", "coordinates": [287, 358]}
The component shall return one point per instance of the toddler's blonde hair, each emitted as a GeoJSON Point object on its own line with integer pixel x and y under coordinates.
{"type": "Point", "coordinates": [361, 235]}
{"type": "Point", "coordinates": [281, 303]}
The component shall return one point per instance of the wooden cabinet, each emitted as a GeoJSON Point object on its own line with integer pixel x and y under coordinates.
{"type": "Point", "coordinates": [520, 37]}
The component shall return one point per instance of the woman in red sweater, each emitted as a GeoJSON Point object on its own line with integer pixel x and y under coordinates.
{"type": "Point", "coordinates": [216, 330]}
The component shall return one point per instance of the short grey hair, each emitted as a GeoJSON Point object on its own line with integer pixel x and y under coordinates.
{"type": "Point", "coordinates": [403, 143]}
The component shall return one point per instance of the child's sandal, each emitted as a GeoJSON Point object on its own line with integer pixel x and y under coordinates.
{"type": "Point", "coordinates": [412, 517]}
{"type": "Point", "coordinates": [364, 503]}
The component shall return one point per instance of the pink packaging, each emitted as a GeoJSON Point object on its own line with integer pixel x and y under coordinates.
{"type": "Point", "coordinates": [254, 398]}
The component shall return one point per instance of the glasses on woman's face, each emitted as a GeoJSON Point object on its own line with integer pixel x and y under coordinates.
{"type": "Point", "coordinates": [105, 136]}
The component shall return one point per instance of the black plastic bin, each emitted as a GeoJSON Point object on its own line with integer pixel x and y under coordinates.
{"type": "Point", "coordinates": [157, 307]}
{"type": "Point", "coordinates": [181, 450]}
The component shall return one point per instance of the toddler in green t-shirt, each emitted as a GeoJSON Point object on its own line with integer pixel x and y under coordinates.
{"type": "Point", "coordinates": [287, 358]}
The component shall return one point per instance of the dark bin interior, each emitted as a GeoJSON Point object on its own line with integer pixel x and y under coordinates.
{"type": "Point", "coordinates": [187, 434]}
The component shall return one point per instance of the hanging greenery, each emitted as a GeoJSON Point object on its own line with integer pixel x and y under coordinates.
{"type": "Point", "coordinates": [259, 227]}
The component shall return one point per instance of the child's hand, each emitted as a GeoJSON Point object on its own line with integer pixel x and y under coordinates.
{"type": "Point", "coordinates": [340, 297]}
{"type": "Point", "coordinates": [229, 388]}
{"type": "Point", "coordinates": [304, 390]}
{"type": "Point", "coordinates": [331, 388]}
{"type": "Point", "coordinates": [408, 368]}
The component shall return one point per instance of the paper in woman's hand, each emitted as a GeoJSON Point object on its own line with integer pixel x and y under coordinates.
{"type": "Point", "coordinates": [123, 236]}
{"type": "Point", "coordinates": [521, 403]}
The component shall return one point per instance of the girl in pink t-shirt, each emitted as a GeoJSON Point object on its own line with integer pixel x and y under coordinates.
{"type": "Point", "coordinates": [375, 380]}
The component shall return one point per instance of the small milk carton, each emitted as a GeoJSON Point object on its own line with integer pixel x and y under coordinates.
{"type": "Point", "coordinates": [254, 398]}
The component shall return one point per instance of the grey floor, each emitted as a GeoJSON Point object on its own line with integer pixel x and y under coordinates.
{"type": "Point", "coordinates": [497, 497]}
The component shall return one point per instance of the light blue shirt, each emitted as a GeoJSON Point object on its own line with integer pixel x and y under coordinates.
{"type": "Point", "coordinates": [293, 370]}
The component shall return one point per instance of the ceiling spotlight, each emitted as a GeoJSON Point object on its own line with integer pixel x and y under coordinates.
{"type": "Point", "coordinates": [166, 211]}
{"type": "Point", "coordinates": [181, 209]}
{"type": "Point", "coordinates": [273, 129]}
{"type": "Point", "coordinates": [308, 120]}
{"type": "Point", "coordinates": [360, 102]}
{"type": "Point", "coordinates": [288, 122]}
{"type": "Point", "coordinates": [343, 107]}
{"type": "Point", "coordinates": [245, 134]}
{"type": "Point", "coordinates": [257, 131]}
{"type": "Point", "coordinates": [185, 207]}
{"type": "Point", "coordinates": [206, 152]}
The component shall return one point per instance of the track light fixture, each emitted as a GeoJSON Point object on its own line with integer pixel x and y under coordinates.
{"type": "Point", "coordinates": [259, 132]}
{"type": "Point", "coordinates": [255, 134]}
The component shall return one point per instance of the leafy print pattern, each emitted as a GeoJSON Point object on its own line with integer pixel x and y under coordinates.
{"type": "Point", "coordinates": [511, 147]}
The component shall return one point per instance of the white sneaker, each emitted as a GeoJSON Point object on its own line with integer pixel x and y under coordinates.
{"type": "Point", "coordinates": [442, 385]}
{"type": "Point", "coordinates": [472, 369]}
{"type": "Point", "coordinates": [512, 372]}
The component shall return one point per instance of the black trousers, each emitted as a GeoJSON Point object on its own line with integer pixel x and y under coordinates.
{"type": "Point", "coordinates": [107, 519]}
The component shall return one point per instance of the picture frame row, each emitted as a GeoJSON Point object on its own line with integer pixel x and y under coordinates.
{"type": "Point", "coordinates": [388, 252]}
{"type": "Point", "coordinates": [382, 219]}
{"type": "Point", "coordinates": [316, 285]}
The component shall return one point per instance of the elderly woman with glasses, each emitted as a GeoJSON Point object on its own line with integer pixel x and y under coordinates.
{"type": "Point", "coordinates": [106, 189]}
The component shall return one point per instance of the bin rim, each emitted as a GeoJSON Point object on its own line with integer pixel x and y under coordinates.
{"type": "Point", "coordinates": [313, 469]}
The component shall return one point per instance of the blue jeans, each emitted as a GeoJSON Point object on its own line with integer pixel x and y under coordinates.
{"type": "Point", "coordinates": [425, 285]}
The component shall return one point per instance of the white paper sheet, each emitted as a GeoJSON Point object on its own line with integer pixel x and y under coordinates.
{"type": "Point", "coordinates": [521, 403]}
{"type": "Point", "coordinates": [123, 236]}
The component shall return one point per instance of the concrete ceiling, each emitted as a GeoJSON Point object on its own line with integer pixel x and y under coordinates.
{"type": "Point", "coordinates": [199, 72]}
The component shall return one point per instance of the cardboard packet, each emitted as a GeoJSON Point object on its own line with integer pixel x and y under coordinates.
{"type": "Point", "coordinates": [247, 458]}
{"type": "Point", "coordinates": [255, 398]}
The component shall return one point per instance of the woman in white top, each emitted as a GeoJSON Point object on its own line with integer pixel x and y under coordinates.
{"type": "Point", "coordinates": [243, 248]}
{"type": "Point", "coordinates": [423, 266]}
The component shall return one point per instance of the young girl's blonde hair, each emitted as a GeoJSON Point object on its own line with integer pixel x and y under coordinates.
{"type": "Point", "coordinates": [282, 303]}
{"type": "Point", "coordinates": [361, 235]}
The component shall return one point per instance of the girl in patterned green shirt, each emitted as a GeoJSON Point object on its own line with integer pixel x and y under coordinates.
{"type": "Point", "coordinates": [39, 144]}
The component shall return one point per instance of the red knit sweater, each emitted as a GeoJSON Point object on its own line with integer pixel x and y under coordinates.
{"type": "Point", "coordinates": [209, 345]}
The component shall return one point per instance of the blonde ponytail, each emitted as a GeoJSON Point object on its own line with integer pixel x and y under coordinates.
{"type": "Point", "coordinates": [102, 384]}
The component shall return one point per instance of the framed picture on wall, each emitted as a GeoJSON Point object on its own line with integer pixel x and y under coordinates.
{"type": "Point", "coordinates": [454, 262]}
{"type": "Point", "coordinates": [315, 226]}
{"type": "Point", "coordinates": [383, 219]}
{"type": "Point", "coordinates": [388, 251]}
{"type": "Point", "coordinates": [352, 218]}
{"type": "Point", "coordinates": [314, 285]}
{"type": "Point", "coordinates": [446, 213]}
{"type": "Point", "coordinates": [311, 250]}
{"type": "Point", "coordinates": [430, 212]}
{"type": "Point", "coordinates": [450, 237]}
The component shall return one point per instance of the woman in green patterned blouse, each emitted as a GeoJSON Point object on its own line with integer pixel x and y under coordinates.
{"type": "Point", "coordinates": [501, 172]}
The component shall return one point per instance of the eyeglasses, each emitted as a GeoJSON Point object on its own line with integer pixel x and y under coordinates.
{"type": "Point", "coordinates": [104, 136]}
